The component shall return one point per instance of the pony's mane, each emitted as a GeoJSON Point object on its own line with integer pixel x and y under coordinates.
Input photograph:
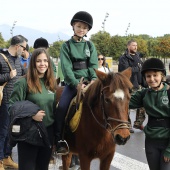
{"type": "Point", "coordinates": [113, 80]}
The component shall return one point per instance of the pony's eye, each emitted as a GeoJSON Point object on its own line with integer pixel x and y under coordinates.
{"type": "Point", "coordinates": [107, 100]}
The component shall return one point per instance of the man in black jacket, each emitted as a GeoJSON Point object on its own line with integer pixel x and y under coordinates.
{"type": "Point", "coordinates": [131, 59]}
{"type": "Point", "coordinates": [17, 46]}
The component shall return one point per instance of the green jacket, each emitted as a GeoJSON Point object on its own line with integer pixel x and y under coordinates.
{"type": "Point", "coordinates": [79, 51]}
{"type": "Point", "coordinates": [45, 100]}
{"type": "Point", "coordinates": [156, 104]}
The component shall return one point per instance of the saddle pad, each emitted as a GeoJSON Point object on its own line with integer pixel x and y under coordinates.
{"type": "Point", "coordinates": [74, 122]}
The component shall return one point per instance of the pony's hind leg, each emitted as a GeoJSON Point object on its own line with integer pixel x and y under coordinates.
{"type": "Point", "coordinates": [66, 160]}
{"type": "Point", "coordinates": [105, 163]}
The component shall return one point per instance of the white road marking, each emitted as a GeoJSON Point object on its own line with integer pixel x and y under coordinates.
{"type": "Point", "coordinates": [120, 162]}
{"type": "Point", "coordinates": [126, 163]}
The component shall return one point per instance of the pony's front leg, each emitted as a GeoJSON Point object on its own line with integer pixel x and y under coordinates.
{"type": "Point", "coordinates": [84, 162]}
{"type": "Point", "coordinates": [66, 160]}
{"type": "Point", "coordinates": [105, 162]}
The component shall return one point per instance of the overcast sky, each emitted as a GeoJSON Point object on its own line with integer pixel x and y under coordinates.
{"type": "Point", "coordinates": [150, 17]}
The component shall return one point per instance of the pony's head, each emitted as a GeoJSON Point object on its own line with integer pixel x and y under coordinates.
{"type": "Point", "coordinates": [109, 98]}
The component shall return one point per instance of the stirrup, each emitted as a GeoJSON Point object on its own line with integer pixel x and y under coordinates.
{"type": "Point", "coordinates": [63, 142]}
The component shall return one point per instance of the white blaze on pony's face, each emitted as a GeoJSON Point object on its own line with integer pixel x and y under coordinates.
{"type": "Point", "coordinates": [119, 94]}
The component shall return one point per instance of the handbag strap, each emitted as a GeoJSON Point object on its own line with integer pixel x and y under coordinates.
{"type": "Point", "coordinates": [6, 59]}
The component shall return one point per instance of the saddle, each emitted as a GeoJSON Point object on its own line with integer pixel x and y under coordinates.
{"type": "Point", "coordinates": [75, 109]}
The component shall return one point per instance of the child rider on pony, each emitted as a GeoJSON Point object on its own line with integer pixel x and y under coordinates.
{"type": "Point", "coordinates": [78, 60]}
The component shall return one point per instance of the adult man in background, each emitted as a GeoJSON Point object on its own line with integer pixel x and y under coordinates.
{"type": "Point", "coordinates": [25, 57]}
{"type": "Point", "coordinates": [17, 46]}
{"type": "Point", "coordinates": [43, 43]}
{"type": "Point", "coordinates": [131, 59]}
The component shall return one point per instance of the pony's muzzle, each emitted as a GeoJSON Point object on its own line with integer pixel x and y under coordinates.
{"type": "Point", "coordinates": [121, 140]}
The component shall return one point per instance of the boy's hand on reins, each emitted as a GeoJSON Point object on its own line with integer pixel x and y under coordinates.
{"type": "Point", "coordinates": [39, 116]}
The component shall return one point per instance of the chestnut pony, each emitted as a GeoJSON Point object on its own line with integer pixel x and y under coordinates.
{"type": "Point", "coordinates": [104, 121]}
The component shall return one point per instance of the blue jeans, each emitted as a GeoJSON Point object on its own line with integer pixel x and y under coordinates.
{"type": "Point", "coordinates": [68, 94]}
{"type": "Point", "coordinates": [5, 148]}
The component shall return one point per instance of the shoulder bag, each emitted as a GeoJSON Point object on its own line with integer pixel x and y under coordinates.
{"type": "Point", "coordinates": [2, 87]}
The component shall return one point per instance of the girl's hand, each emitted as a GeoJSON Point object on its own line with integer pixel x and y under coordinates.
{"type": "Point", "coordinates": [166, 159]}
{"type": "Point", "coordinates": [39, 116]}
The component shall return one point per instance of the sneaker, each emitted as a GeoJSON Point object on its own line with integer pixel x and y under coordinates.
{"type": "Point", "coordinates": [9, 163]}
{"type": "Point", "coordinates": [1, 165]}
{"type": "Point", "coordinates": [131, 130]}
{"type": "Point", "coordinates": [62, 148]}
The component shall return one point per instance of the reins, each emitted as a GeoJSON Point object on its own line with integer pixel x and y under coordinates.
{"type": "Point", "coordinates": [107, 126]}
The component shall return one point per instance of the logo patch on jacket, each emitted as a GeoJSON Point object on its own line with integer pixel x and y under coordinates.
{"type": "Point", "coordinates": [87, 52]}
{"type": "Point", "coordinates": [165, 100]}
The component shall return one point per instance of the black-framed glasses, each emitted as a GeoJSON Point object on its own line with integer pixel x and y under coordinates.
{"type": "Point", "coordinates": [100, 59]}
{"type": "Point", "coordinates": [22, 47]}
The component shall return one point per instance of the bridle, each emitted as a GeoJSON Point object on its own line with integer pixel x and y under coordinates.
{"type": "Point", "coordinates": [107, 126]}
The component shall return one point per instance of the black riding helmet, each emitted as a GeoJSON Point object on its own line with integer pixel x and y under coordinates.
{"type": "Point", "coordinates": [153, 64]}
{"type": "Point", "coordinates": [83, 16]}
{"type": "Point", "coordinates": [41, 42]}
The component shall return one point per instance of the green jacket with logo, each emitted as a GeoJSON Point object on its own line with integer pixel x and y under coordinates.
{"type": "Point", "coordinates": [45, 100]}
{"type": "Point", "coordinates": [156, 104]}
{"type": "Point", "coordinates": [78, 51]}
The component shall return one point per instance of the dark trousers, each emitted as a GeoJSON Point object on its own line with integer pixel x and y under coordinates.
{"type": "Point", "coordinates": [154, 149]}
{"type": "Point", "coordinates": [31, 157]}
{"type": "Point", "coordinates": [5, 148]}
{"type": "Point", "coordinates": [68, 94]}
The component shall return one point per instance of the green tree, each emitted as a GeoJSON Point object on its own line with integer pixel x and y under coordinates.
{"type": "Point", "coordinates": [142, 46]}
{"type": "Point", "coordinates": [117, 47]}
{"type": "Point", "coordinates": [54, 50]}
{"type": "Point", "coordinates": [2, 42]}
{"type": "Point", "coordinates": [101, 41]}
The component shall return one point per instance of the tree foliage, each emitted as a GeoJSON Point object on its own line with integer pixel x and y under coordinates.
{"type": "Point", "coordinates": [114, 46]}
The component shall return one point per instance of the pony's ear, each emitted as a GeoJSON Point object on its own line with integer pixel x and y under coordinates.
{"type": "Point", "coordinates": [127, 72]}
{"type": "Point", "coordinates": [101, 75]}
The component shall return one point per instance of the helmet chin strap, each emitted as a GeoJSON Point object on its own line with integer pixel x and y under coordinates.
{"type": "Point", "coordinates": [159, 85]}
{"type": "Point", "coordinates": [79, 38]}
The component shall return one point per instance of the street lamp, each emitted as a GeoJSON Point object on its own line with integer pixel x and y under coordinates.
{"type": "Point", "coordinates": [103, 23]}
{"type": "Point", "coordinates": [13, 26]}
{"type": "Point", "coordinates": [126, 32]}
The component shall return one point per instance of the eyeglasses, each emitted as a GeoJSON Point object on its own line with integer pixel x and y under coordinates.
{"type": "Point", "coordinates": [22, 47]}
{"type": "Point", "coordinates": [100, 59]}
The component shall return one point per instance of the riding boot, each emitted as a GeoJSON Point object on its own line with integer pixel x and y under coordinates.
{"type": "Point", "coordinates": [61, 111]}
{"type": "Point", "coordinates": [61, 144]}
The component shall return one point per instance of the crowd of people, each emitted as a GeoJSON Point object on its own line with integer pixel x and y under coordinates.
{"type": "Point", "coordinates": [30, 94]}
